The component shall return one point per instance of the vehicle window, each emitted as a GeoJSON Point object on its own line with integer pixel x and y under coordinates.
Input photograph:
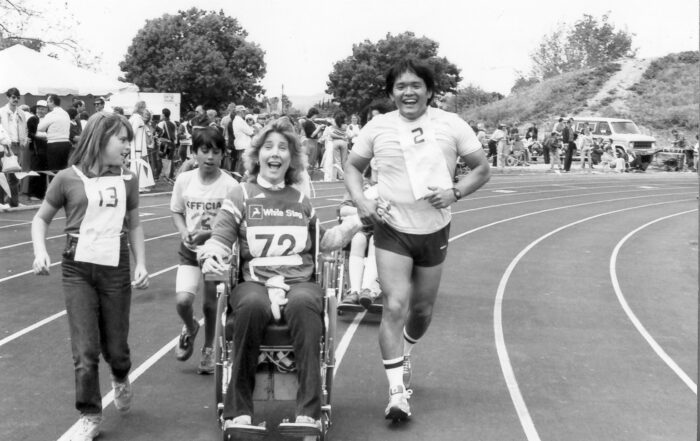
{"type": "Point", "coordinates": [602, 128]}
{"type": "Point", "coordinates": [625, 128]}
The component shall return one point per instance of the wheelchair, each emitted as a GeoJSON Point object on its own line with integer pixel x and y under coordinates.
{"type": "Point", "coordinates": [276, 377]}
{"type": "Point", "coordinates": [517, 158]}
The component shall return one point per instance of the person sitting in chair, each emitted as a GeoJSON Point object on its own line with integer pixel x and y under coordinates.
{"type": "Point", "coordinates": [274, 225]}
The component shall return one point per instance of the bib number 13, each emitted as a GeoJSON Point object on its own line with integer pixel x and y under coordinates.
{"type": "Point", "coordinates": [108, 197]}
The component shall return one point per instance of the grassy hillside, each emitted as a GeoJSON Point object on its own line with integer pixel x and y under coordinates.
{"type": "Point", "coordinates": [668, 96]}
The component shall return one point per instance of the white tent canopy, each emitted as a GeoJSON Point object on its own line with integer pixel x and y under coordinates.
{"type": "Point", "coordinates": [38, 74]}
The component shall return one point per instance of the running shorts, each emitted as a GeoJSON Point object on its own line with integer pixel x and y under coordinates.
{"type": "Point", "coordinates": [426, 250]}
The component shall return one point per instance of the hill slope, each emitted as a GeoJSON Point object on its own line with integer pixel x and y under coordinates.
{"type": "Point", "coordinates": [658, 95]}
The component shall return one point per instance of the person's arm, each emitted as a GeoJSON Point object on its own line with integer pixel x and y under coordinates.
{"type": "Point", "coordinates": [42, 261]}
{"type": "Point", "coordinates": [366, 208]}
{"type": "Point", "coordinates": [136, 239]}
{"type": "Point", "coordinates": [44, 123]}
{"type": "Point", "coordinates": [480, 173]}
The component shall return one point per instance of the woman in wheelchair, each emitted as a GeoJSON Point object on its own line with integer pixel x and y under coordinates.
{"type": "Point", "coordinates": [274, 225]}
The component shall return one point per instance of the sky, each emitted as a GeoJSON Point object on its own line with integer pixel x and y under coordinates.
{"type": "Point", "coordinates": [490, 41]}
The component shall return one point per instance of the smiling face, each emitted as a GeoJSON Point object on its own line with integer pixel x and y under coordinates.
{"type": "Point", "coordinates": [117, 149]}
{"type": "Point", "coordinates": [274, 157]}
{"type": "Point", "coordinates": [411, 95]}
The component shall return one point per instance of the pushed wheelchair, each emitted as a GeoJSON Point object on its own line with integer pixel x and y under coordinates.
{"type": "Point", "coordinates": [276, 376]}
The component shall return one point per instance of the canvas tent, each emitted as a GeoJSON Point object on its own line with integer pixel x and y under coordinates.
{"type": "Point", "coordinates": [37, 74]}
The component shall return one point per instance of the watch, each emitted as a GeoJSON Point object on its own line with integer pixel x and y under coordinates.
{"type": "Point", "coordinates": [457, 193]}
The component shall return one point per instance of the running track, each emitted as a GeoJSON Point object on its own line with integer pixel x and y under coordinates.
{"type": "Point", "coordinates": [567, 311]}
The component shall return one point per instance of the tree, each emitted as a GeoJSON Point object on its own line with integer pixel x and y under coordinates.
{"type": "Point", "coordinates": [589, 42]}
{"type": "Point", "coordinates": [468, 97]}
{"type": "Point", "coordinates": [203, 55]}
{"type": "Point", "coordinates": [359, 79]}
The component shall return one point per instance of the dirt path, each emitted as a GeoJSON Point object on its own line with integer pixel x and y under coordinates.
{"type": "Point", "coordinates": [616, 87]}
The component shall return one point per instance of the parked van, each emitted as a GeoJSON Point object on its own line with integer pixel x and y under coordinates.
{"type": "Point", "coordinates": [624, 133]}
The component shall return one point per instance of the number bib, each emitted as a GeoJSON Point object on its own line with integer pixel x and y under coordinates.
{"type": "Point", "coordinates": [101, 227]}
{"type": "Point", "coordinates": [425, 163]}
{"type": "Point", "coordinates": [276, 233]}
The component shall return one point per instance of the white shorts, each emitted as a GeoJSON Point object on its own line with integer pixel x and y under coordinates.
{"type": "Point", "coordinates": [189, 279]}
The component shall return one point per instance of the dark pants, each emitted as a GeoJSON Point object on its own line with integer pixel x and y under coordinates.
{"type": "Point", "coordinates": [239, 166]}
{"type": "Point", "coordinates": [251, 314]}
{"type": "Point", "coordinates": [689, 154]}
{"type": "Point", "coordinates": [545, 154]}
{"type": "Point", "coordinates": [493, 152]}
{"type": "Point", "coordinates": [98, 300]}
{"type": "Point", "coordinates": [57, 154]}
{"type": "Point", "coordinates": [571, 147]}
{"type": "Point", "coordinates": [39, 162]}
{"type": "Point", "coordinates": [155, 162]}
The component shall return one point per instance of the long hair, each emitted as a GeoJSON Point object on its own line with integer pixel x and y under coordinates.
{"type": "Point", "coordinates": [284, 128]}
{"type": "Point", "coordinates": [99, 129]}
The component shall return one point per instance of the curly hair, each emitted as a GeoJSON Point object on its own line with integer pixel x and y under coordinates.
{"type": "Point", "coordinates": [284, 128]}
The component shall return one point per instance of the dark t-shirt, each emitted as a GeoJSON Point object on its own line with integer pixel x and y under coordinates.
{"type": "Point", "coordinates": [309, 128]}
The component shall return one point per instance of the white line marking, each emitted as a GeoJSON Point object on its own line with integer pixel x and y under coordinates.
{"type": "Point", "coordinates": [14, 276]}
{"type": "Point", "coordinates": [503, 191]}
{"type": "Point", "coordinates": [63, 235]}
{"type": "Point", "coordinates": [633, 318]}
{"type": "Point", "coordinates": [49, 319]}
{"type": "Point", "coordinates": [503, 357]}
{"type": "Point", "coordinates": [345, 341]}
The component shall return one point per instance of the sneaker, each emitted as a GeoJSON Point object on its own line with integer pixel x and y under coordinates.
{"type": "Point", "coordinates": [407, 371]}
{"type": "Point", "coordinates": [88, 427]}
{"type": "Point", "coordinates": [350, 298]}
{"type": "Point", "coordinates": [206, 363]}
{"type": "Point", "coordinates": [185, 346]}
{"type": "Point", "coordinates": [398, 408]}
{"type": "Point", "coordinates": [122, 394]}
{"type": "Point", "coordinates": [367, 298]}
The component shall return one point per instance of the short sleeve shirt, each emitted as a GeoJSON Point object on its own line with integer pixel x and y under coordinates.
{"type": "Point", "coordinates": [380, 139]}
{"type": "Point", "coordinates": [67, 190]}
{"type": "Point", "coordinates": [199, 203]}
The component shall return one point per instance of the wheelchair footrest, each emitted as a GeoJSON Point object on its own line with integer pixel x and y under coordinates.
{"type": "Point", "coordinates": [298, 430]}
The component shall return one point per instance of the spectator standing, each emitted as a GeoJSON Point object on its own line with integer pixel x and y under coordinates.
{"type": "Point", "coordinates": [14, 122]}
{"type": "Point", "coordinates": [353, 130]}
{"type": "Point", "coordinates": [227, 127]}
{"type": "Point", "coordinates": [56, 124]}
{"type": "Point", "coordinates": [499, 137]}
{"type": "Point", "coordinates": [38, 151]}
{"type": "Point", "coordinates": [167, 138]}
{"type": "Point", "coordinates": [312, 133]}
{"type": "Point", "coordinates": [75, 127]}
{"type": "Point", "coordinates": [680, 142]}
{"type": "Point", "coordinates": [553, 146]}
{"type": "Point", "coordinates": [585, 140]}
{"type": "Point", "coordinates": [243, 134]}
{"type": "Point", "coordinates": [567, 140]}
{"type": "Point", "coordinates": [481, 136]}
{"type": "Point", "coordinates": [139, 147]}
{"type": "Point", "coordinates": [99, 104]}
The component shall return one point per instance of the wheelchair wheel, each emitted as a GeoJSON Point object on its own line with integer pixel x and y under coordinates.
{"type": "Point", "coordinates": [222, 353]}
{"type": "Point", "coordinates": [511, 161]}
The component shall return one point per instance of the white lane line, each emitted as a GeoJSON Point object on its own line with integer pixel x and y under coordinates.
{"type": "Point", "coordinates": [14, 276]}
{"type": "Point", "coordinates": [49, 319]}
{"type": "Point", "coordinates": [633, 318]}
{"type": "Point", "coordinates": [143, 221]}
{"type": "Point", "coordinates": [136, 373]}
{"type": "Point", "coordinates": [345, 341]}
{"type": "Point", "coordinates": [503, 357]}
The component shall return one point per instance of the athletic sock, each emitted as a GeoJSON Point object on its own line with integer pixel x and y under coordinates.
{"type": "Point", "coordinates": [356, 267]}
{"type": "Point", "coordinates": [394, 372]}
{"type": "Point", "coordinates": [408, 343]}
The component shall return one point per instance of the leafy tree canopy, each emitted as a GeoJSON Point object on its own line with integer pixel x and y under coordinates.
{"type": "Point", "coordinates": [203, 55]}
{"type": "Point", "coordinates": [589, 42]}
{"type": "Point", "coordinates": [359, 79]}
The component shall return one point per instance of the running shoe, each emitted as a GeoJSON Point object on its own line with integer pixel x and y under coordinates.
{"type": "Point", "coordinates": [185, 346]}
{"type": "Point", "coordinates": [398, 408]}
{"type": "Point", "coordinates": [122, 394]}
{"type": "Point", "coordinates": [206, 363]}
{"type": "Point", "coordinates": [367, 298]}
{"type": "Point", "coordinates": [407, 371]}
{"type": "Point", "coordinates": [88, 427]}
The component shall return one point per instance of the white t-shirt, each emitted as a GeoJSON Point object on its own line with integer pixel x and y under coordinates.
{"type": "Point", "coordinates": [380, 139]}
{"type": "Point", "coordinates": [200, 203]}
